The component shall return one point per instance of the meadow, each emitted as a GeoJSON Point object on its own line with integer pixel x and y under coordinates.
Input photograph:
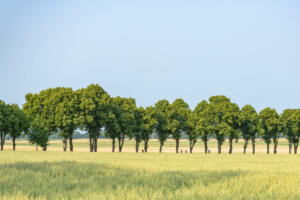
{"type": "Point", "coordinates": [81, 175]}
{"type": "Point", "coordinates": [29, 174]}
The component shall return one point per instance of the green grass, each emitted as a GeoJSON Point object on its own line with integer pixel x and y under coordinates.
{"type": "Point", "coordinates": [58, 175]}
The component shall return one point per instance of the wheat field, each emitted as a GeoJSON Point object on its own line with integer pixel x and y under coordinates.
{"type": "Point", "coordinates": [104, 175]}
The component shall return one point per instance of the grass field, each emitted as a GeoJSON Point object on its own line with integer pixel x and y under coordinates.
{"type": "Point", "coordinates": [81, 175]}
{"type": "Point", "coordinates": [104, 145]}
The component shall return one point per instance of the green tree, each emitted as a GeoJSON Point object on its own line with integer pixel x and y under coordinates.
{"type": "Point", "coordinates": [41, 107]}
{"type": "Point", "coordinates": [205, 123]}
{"type": "Point", "coordinates": [124, 116]}
{"type": "Point", "coordinates": [162, 110]}
{"type": "Point", "coordinates": [287, 123]}
{"type": "Point", "coordinates": [232, 118]}
{"type": "Point", "coordinates": [270, 126]}
{"type": "Point", "coordinates": [112, 128]}
{"type": "Point", "coordinates": [54, 110]}
{"type": "Point", "coordinates": [177, 120]}
{"type": "Point", "coordinates": [137, 134]}
{"type": "Point", "coordinates": [191, 130]}
{"type": "Point", "coordinates": [224, 120]}
{"type": "Point", "coordinates": [6, 119]}
{"type": "Point", "coordinates": [296, 129]}
{"type": "Point", "coordinates": [19, 123]}
{"type": "Point", "coordinates": [249, 126]}
{"type": "Point", "coordinates": [67, 114]}
{"type": "Point", "coordinates": [94, 109]}
{"type": "Point", "coordinates": [148, 125]}
{"type": "Point", "coordinates": [39, 137]}
{"type": "Point", "coordinates": [291, 127]}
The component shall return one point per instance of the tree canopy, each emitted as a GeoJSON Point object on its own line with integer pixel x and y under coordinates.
{"type": "Point", "coordinates": [62, 111]}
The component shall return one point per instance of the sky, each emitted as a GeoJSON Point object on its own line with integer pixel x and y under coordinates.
{"type": "Point", "coordinates": [154, 49]}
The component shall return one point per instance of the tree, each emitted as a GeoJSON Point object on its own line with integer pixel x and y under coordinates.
{"type": "Point", "coordinates": [19, 123]}
{"type": "Point", "coordinates": [291, 127]}
{"type": "Point", "coordinates": [112, 128]}
{"type": "Point", "coordinates": [54, 110]}
{"type": "Point", "coordinates": [6, 118]}
{"type": "Point", "coordinates": [39, 137]}
{"type": "Point", "coordinates": [249, 126]}
{"type": "Point", "coordinates": [67, 114]}
{"type": "Point", "coordinates": [270, 126]}
{"type": "Point", "coordinates": [191, 130]}
{"type": "Point", "coordinates": [124, 116]}
{"type": "Point", "coordinates": [223, 117]}
{"type": "Point", "coordinates": [138, 128]}
{"type": "Point", "coordinates": [177, 120]}
{"type": "Point", "coordinates": [287, 123]}
{"type": "Point", "coordinates": [204, 124]}
{"type": "Point", "coordinates": [232, 118]}
{"type": "Point", "coordinates": [94, 109]}
{"type": "Point", "coordinates": [40, 108]}
{"type": "Point", "coordinates": [148, 125]}
{"type": "Point", "coordinates": [162, 110]}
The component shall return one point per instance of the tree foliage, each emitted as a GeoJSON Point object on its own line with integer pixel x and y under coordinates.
{"type": "Point", "coordinates": [19, 123]}
{"type": "Point", "coordinates": [203, 126]}
{"type": "Point", "coordinates": [62, 111]}
{"type": "Point", "coordinates": [177, 119]}
{"type": "Point", "coordinates": [39, 137]}
{"type": "Point", "coordinates": [223, 118]}
{"type": "Point", "coordinates": [269, 127]}
{"type": "Point", "coordinates": [122, 119]}
{"type": "Point", "coordinates": [249, 125]}
{"type": "Point", "coordinates": [94, 109]}
{"type": "Point", "coordinates": [291, 127]}
{"type": "Point", "coordinates": [162, 128]}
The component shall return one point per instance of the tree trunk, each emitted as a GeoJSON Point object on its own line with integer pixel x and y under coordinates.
{"type": "Point", "coordinates": [65, 144]}
{"type": "Point", "coordinates": [137, 144]}
{"type": "Point", "coordinates": [268, 148]}
{"type": "Point", "coordinates": [95, 143]}
{"type": "Point", "coordinates": [113, 144]}
{"type": "Point", "coordinates": [253, 145]}
{"type": "Point", "coordinates": [219, 147]}
{"type": "Point", "coordinates": [71, 143]}
{"type": "Point", "coordinates": [290, 147]}
{"type": "Point", "coordinates": [160, 146]}
{"type": "Point", "coordinates": [230, 145]}
{"type": "Point", "coordinates": [275, 140]}
{"type": "Point", "coordinates": [2, 141]}
{"type": "Point", "coordinates": [146, 146]}
{"type": "Point", "coordinates": [121, 142]}
{"type": "Point", "coordinates": [91, 144]}
{"type": "Point", "coordinates": [296, 146]}
{"type": "Point", "coordinates": [14, 143]}
{"type": "Point", "coordinates": [191, 146]}
{"type": "Point", "coordinates": [2, 145]}
{"type": "Point", "coordinates": [205, 144]}
{"type": "Point", "coordinates": [177, 145]}
{"type": "Point", "coordinates": [45, 148]}
{"type": "Point", "coordinates": [245, 146]}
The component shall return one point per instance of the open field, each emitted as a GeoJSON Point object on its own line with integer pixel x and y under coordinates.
{"type": "Point", "coordinates": [104, 145]}
{"type": "Point", "coordinates": [80, 175]}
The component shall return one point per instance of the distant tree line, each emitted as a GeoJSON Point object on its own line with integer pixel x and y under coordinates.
{"type": "Point", "coordinates": [62, 110]}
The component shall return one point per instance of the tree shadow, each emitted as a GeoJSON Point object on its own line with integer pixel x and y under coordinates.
{"type": "Point", "coordinates": [70, 179]}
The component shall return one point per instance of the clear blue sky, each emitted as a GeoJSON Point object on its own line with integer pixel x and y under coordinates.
{"type": "Point", "coordinates": [154, 49]}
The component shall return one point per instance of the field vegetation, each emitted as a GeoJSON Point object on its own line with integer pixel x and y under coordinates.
{"type": "Point", "coordinates": [83, 175]}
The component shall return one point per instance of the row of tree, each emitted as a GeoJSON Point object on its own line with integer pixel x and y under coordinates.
{"type": "Point", "coordinates": [62, 110]}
